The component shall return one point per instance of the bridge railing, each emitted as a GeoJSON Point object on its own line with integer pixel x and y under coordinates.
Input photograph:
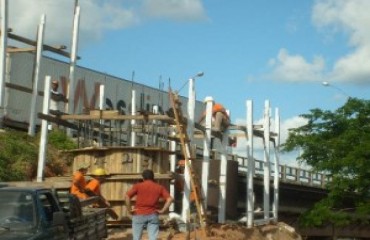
{"type": "Point", "coordinates": [289, 174]}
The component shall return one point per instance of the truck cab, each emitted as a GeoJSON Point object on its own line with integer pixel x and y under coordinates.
{"type": "Point", "coordinates": [31, 213]}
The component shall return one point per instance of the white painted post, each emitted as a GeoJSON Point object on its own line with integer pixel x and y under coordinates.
{"type": "Point", "coordinates": [190, 131]}
{"type": "Point", "coordinates": [40, 39]}
{"type": "Point", "coordinates": [275, 206]}
{"type": "Point", "coordinates": [251, 165]}
{"type": "Point", "coordinates": [71, 86]}
{"type": "Point", "coordinates": [3, 46]}
{"type": "Point", "coordinates": [191, 107]}
{"type": "Point", "coordinates": [101, 108]}
{"type": "Point", "coordinates": [133, 121]}
{"type": "Point", "coordinates": [155, 127]}
{"type": "Point", "coordinates": [44, 131]}
{"type": "Point", "coordinates": [266, 161]}
{"type": "Point", "coordinates": [207, 147]}
{"type": "Point", "coordinates": [223, 179]}
{"type": "Point", "coordinates": [173, 169]}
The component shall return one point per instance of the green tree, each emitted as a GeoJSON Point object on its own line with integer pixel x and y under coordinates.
{"type": "Point", "coordinates": [337, 143]}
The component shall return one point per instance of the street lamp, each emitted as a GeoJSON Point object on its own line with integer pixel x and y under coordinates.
{"type": "Point", "coordinates": [190, 131]}
{"type": "Point", "coordinates": [327, 84]}
{"type": "Point", "coordinates": [199, 74]}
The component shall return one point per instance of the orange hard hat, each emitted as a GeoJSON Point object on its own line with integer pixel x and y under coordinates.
{"type": "Point", "coordinates": [218, 108]}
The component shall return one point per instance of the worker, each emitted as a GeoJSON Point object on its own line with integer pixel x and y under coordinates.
{"type": "Point", "coordinates": [78, 187]}
{"type": "Point", "coordinates": [180, 182]}
{"type": "Point", "coordinates": [220, 118]}
{"type": "Point", "coordinates": [94, 185]}
{"type": "Point", "coordinates": [145, 212]}
{"type": "Point", "coordinates": [55, 98]}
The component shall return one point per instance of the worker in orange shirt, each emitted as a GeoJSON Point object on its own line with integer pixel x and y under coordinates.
{"type": "Point", "coordinates": [220, 118]}
{"type": "Point", "coordinates": [179, 182]}
{"type": "Point", "coordinates": [94, 185]}
{"type": "Point", "coordinates": [78, 187]}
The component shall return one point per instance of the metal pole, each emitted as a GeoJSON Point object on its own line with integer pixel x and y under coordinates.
{"type": "Point", "coordinates": [251, 164]}
{"type": "Point", "coordinates": [44, 131]}
{"type": "Point", "coordinates": [40, 39]}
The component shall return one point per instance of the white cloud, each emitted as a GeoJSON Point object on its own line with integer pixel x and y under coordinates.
{"type": "Point", "coordinates": [100, 16]}
{"type": "Point", "coordinates": [290, 123]}
{"type": "Point", "coordinates": [353, 67]}
{"type": "Point", "coordinates": [350, 17]}
{"type": "Point", "coordinates": [286, 158]}
{"type": "Point", "coordinates": [25, 15]}
{"type": "Point", "coordinates": [180, 10]}
{"type": "Point", "coordinates": [295, 68]}
{"type": "Point", "coordinates": [96, 16]}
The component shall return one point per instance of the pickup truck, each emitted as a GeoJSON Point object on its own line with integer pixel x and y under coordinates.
{"type": "Point", "coordinates": [37, 213]}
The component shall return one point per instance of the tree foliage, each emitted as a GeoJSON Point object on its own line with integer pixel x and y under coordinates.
{"type": "Point", "coordinates": [337, 143]}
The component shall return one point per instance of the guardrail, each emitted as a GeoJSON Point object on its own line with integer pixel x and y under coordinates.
{"type": "Point", "coordinates": [289, 174]}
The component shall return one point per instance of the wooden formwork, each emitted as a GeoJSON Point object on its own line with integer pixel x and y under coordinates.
{"type": "Point", "coordinates": [124, 166]}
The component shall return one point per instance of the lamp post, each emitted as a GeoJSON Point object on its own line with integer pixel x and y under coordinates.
{"type": "Point", "coordinates": [191, 104]}
{"type": "Point", "coordinates": [327, 84]}
{"type": "Point", "coordinates": [191, 81]}
{"type": "Point", "coordinates": [190, 131]}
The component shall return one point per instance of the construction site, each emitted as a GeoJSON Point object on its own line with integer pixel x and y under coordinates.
{"type": "Point", "coordinates": [125, 127]}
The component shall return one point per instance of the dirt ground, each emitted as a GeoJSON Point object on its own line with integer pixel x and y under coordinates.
{"type": "Point", "coordinates": [279, 231]}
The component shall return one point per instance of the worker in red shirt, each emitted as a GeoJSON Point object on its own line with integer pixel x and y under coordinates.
{"type": "Point", "coordinates": [146, 210]}
{"type": "Point", "coordinates": [78, 186]}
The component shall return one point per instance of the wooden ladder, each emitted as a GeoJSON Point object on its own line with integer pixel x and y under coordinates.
{"type": "Point", "coordinates": [181, 123]}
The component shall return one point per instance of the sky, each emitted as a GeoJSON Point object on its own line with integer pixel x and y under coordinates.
{"type": "Point", "coordinates": [258, 50]}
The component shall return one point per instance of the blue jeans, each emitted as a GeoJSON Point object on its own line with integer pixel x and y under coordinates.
{"type": "Point", "coordinates": [151, 222]}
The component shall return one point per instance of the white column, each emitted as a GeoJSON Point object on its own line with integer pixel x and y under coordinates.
{"type": "Point", "coordinates": [69, 107]}
{"type": "Point", "coordinates": [251, 165]}
{"type": "Point", "coordinates": [3, 46]}
{"type": "Point", "coordinates": [275, 206]}
{"type": "Point", "coordinates": [191, 107]}
{"type": "Point", "coordinates": [223, 178]}
{"type": "Point", "coordinates": [266, 161]}
{"type": "Point", "coordinates": [101, 108]}
{"type": "Point", "coordinates": [173, 169]}
{"type": "Point", "coordinates": [207, 147]}
{"type": "Point", "coordinates": [155, 127]}
{"type": "Point", "coordinates": [44, 131]}
{"type": "Point", "coordinates": [133, 121]}
{"type": "Point", "coordinates": [190, 131]}
{"type": "Point", "coordinates": [72, 65]}
{"type": "Point", "coordinates": [40, 39]}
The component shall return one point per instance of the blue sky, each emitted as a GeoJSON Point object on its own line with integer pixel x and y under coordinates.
{"type": "Point", "coordinates": [260, 50]}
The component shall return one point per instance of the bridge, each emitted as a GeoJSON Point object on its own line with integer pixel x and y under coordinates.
{"type": "Point", "coordinates": [299, 190]}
